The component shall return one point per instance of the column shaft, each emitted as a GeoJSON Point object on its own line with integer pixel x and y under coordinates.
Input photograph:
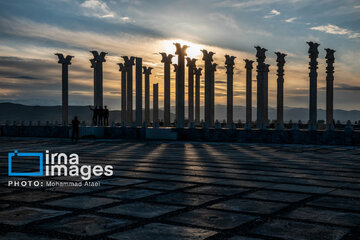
{"type": "Point", "coordinates": [139, 111]}
{"type": "Point", "coordinates": [167, 89]}
{"type": "Point", "coordinates": [65, 93]}
{"type": "Point", "coordinates": [156, 103]}
{"type": "Point", "coordinates": [147, 98]}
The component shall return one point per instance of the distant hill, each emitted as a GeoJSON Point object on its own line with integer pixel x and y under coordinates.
{"type": "Point", "coordinates": [19, 112]}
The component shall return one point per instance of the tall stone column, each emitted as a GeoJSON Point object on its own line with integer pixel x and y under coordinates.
{"type": "Point", "coordinates": [249, 67]}
{"type": "Point", "coordinates": [155, 103]}
{"type": "Point", "coordinates": [207, 57]}
{"type": "Point", "coordinates": [166, 59]}
{"type": "Point", "coordinates": [147, 72]}
{"type": "Point", "coordinates": [280, 90]}
{"type": "Point", "coordinates": [229, 64]}
{"type": "Point", "coordinates": [266, 94]}
{"type": "Point", "coordinates": [330, 59]}
{"type": "Point", "coordinates": [139, 109]}
{"type": "Point", "coordinates": [212, 96]}
{"type": "Point", "coordinates": [97, 64]}
{"type": "Point", "coordinates": [65, 62]}
{"type": "Point", "coordinates": [180, 85]}
{"type": "Point", "coordinates": [191, 66]}
{"type": "Point", "coordinates": [123, 70]}
{"type": "Point", "coordinates": [197, 72]}
{"type": "Point", "coordinates": [129, 62]}
{"type": "Point", "coordinates": [313, 54]}
{"type": "Point", "coordinates": [176, 77]}
{"type": "Point", "coordinates": [260, 58]}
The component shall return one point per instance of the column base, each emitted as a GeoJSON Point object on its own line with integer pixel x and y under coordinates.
{"type": "Point", "coordinates": [312, 127]}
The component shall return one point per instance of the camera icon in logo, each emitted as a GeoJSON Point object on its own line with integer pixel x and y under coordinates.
{"type": "Point", "coordinates": [17, 154]}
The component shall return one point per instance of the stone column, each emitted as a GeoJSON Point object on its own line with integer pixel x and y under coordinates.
{"type": "Point", "coordinates": [207, 57]}
{"type": "Point", "coordinates": [313, 54]}
{"type": "Point", "coordinates": [280, 90]}
{"type": "Point", "coordinates": [155, 103]}
{"type": "Point", "coordinates": [65, 62]}
{"type": "Point", "coordinates": [249, 67]}
{"type": "Point", "coordinates": [176, 77]}
{"type": "Point", "coordinates": [212, 97]}
{"type": "Point", "coordinates": [147, 72]}
{"type": "Point", "coordinates": [197, 72]}
{"type": "Point", "coordinates": [229, 64]}
{"type": "Point", "coordinates": [260, 58]}
{"type": "Point", "coordinates": [96, 63]}
{"type": "Point", "coordinates": [180, 85]}
{"type": "Point", "coordinates": [266, 95]}
{"type": "Point", "coordinates": [129, 62]}
{"type": "Point", "coordinates": [166, 59]}
{"type": "Point", "coordinates": [191, 66]}
{"type": "Point", "coordinates": [330, 59]}
{"type": "Point", "coordinates": [123, 70]}
{"type": "Point", "coordinates": [139, 109]}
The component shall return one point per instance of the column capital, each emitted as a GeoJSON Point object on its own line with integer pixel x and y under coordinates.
{"type": "Point", "coordinates": [229, 63]}
{"type": "Point", "coordinates": [260, 53]}
{"type": "Point", "coordinates": [207, 56]}
{"type": "Point", "coordinates": [129, 61]}
{"type": "Point", "coordinates": [280, 58]}
{"type": "Point", "coordinates": [147, 70]}
{"type": "Point", "coordinates": [330, 54]}
{"type": "Point", "coordinates": [197, 71]}
{"type": "Point", "coordinates": [93, 63]}
{"type": "Point", "coordinates": [191, 62]}
{"type": "Point", "coordinates": [122, 67]}
{"type": "Point", "coordinates": [266, 67]}
{"type": "Point", "coordinates": [181, 50]}
{"type": "Point", "coordinates": [166, 58]}
{"type": "Point", "coordinates": [99, 57]}
{"type": "Point", "coordinates": [175, 67]}
{"type": "Point", "coordinates": [313, 49]}
{"type": "Point", "coordinates": [248, 64]}
{"type": "Point", "coordinates": [62, 60]}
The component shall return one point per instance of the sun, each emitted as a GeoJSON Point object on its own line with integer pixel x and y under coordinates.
{"type": "Point", "coordinates": [193, 51]}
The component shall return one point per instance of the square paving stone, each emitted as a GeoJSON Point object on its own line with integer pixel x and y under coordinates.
{"type": "Point", "coordinates": [161, 231]}
{"type": "Point", "coordinates": [165, 185]}
{"type": "Point", "coordinates": [141, 209]}
{"type": "Point", "coordinates": [128, 193]}
{"type": "Point", "coordinates": [30, 196]}
{"type": "Point", "coordinates": [212, 218]}
{"type": "Point", "coordinates": [242, 183]}
{"type": "Point", "coordinates": [24, 236]}
{"type": "Point", "coordinates": [78, 190]}
{"type": "Point", "coordinates": [325, 216]}
{"type": "Point", "coordinates": [217, 190]}
{"type": "Point", "coordinates": [122, 181]}
{"type": "Point", "coordinates": [247, 205]}
{"type": "Point", "coordinates": [346, 193]}
{"type": "Point", "coordinates": [81, 202]}
{"type": "Point", "coordinates": [277, 196]}
{"type": "Point", "coordinates": [86, 225]}
{"type": "Point", "coordinates": [193, 179]}
{"type": "Point", "coordinates": [337, 202]}
{"type": "Point", "coordinates": [244, 238]}
{"type": "Point", "coordinates": [188, 199]}
{"type": "Point", "coordinates": [300, 188]}
{"type": "Point", "coordinates": [299, 231]}
{"type": "Point", "coordinates": [24, 215]}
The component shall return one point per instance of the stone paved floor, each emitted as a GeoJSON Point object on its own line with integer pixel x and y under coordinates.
{"type": "Point", "coordinates": [177, 190]}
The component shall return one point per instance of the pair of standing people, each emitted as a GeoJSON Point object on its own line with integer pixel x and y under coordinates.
{"type": "Point", "coordinates": [100, 115]}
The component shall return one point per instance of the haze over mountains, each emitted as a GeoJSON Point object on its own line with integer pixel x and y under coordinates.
{"type": "Point", "coordinates": [19, 112]}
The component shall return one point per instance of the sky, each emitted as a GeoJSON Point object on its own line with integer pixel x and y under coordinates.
{"type": "Point", "coordinates": [32, 31]}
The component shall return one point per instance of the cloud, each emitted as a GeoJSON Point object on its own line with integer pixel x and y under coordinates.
{"type": "Point", "coordinates": [272, 13]}
{"type": "Point", "coordinates": [97, 8]}
{"type": "Point", "coordinates": [336, 30]}
{"type": "Point", "coordinates": [290, 20]}
{"type": "Point", "coordinates": [357, 6]}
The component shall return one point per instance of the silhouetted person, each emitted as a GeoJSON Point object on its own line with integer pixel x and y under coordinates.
{"type": "Point", "coordinates": [100, 116]}
{"type": "Point", "coordinates": [95, 114]}
{"type": "Point", "coordinates": [75, 129]}
{"type": "Point", "coordinates": [106, 116]}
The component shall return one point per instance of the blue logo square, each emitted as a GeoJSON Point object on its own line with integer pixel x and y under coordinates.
{"type": "Point", "coordinates": [16, 153]}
